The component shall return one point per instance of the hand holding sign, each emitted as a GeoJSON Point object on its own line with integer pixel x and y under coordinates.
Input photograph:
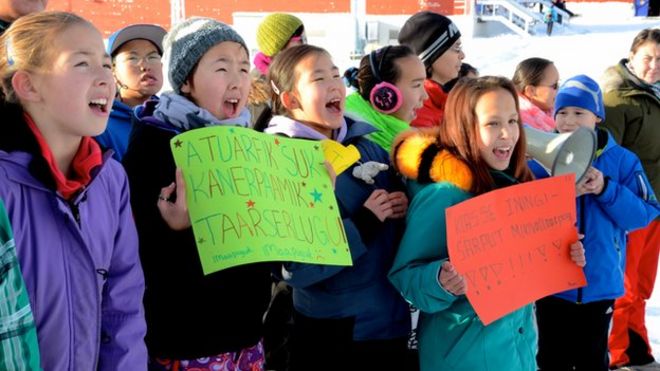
{"type": "Point", "coordinates": [516, 245]}
{"type": "Point", "coordinates": [451, 280]}
{"type": "Point", "coordinates": [174, 213]}
{"type": "Point", "coordinates": [577, 253]}
{"type": "Point", "coordinates": [255, 197]}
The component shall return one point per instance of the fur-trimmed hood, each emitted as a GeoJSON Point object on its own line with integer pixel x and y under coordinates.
{"type": "Point", "coordinates": [417, 155]}
{"type": "Point", "coordinates": [259, 89]}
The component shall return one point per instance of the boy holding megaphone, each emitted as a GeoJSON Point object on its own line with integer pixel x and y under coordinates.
{"type": "Point", "coordinates": [614, 197]}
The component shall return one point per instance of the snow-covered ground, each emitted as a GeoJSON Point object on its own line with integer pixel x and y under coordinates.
{"type": "Point", "coordinates": [596, 39]}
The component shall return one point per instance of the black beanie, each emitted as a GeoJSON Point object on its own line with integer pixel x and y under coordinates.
{"type": "Point", "coordinates": [429, 35]}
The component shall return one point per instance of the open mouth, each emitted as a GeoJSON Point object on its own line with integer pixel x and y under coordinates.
{"type": "Point", "coordinates": [502, 153]}
{"type": "Point", "coordinates": [230, 107]}
{"type": "Point", "coordinates": [334, 106]}
{"type": "Point", "coordinates": [99, 105]}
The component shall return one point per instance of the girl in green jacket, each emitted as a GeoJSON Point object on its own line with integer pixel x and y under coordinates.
{"type": "Point", "coordinates": [390, 91]}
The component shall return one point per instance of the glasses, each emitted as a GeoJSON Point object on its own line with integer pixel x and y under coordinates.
{"type": "Point", "coordinates": [134, 60]}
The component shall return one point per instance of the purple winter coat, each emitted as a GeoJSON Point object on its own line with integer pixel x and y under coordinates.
{"type": "Point", "coordinates": [81, 267]}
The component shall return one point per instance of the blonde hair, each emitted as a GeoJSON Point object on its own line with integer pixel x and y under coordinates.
{"type": "Point", "coordinates": [27, 45]}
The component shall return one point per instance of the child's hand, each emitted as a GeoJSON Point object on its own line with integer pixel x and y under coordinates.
{"type": "Point", "coordinates": [399, 202]}
{"type": "Point", "coordinates": [451, 281]}
{"type": "Point", "coordinates": [175, 213]}
{"type": "Point", "coordinates": [379, 204]}
{"type": "Point", "coordinates": [581, 188]}
{"type": "Point", "coordinates": [577, 253]}
{"type": "Point", "coordinates": [592, 182]}
{"type": "Point", "coordinates": [596, 181]}
{"type": "Point", "coordinates": [331, 172]}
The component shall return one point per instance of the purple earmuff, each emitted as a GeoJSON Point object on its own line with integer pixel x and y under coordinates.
{"type": "Point", "coordinates": [384, 97]}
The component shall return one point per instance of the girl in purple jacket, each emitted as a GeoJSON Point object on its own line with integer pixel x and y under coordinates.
{"type": "Point", "coordinates": [69, 203]}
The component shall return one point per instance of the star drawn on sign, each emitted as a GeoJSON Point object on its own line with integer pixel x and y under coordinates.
{"type": "Point", "coordinates": [201, 240]}
{"type": "Point", "coordinates": [250, 204]}
{"type": "Point", "coordinates": [317, 195]}
{"type": "Point", "coordinates": [178, 143]}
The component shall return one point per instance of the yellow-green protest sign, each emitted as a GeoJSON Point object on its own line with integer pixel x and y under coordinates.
{"type": "Point", "coordinates": [255, 197]}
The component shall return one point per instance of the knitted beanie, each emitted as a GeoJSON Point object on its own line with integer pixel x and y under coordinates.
{"type": "Point", "coordinates": [275, 31]}
{"type": "Point", "coordinates": [583, 92]}
{"type": "Point", "coordinates": [429, 35]}
{"type": "Point", "coordinates": [188, 41]}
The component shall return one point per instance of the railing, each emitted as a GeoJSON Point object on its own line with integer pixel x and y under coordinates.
{"type": "Point", "coordinates": [564, 14]}
{"type": "Point", "coordinates": [514, 15]}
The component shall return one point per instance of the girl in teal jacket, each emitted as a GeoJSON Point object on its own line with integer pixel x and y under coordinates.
{"type": "Point", "coordinates": [481, 147]}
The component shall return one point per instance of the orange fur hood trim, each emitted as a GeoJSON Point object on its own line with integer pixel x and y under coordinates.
{"type": "Point", "coordinates": [417, 155]}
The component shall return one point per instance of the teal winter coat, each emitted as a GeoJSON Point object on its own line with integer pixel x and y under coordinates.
{"type": "Point", "coordinates": [450, 335]}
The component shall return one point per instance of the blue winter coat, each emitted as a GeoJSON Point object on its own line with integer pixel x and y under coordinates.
{"type": "Point", "coordinates": [117, 134]}
{"type": "Point", "coordinates": [626, 203]}
{"type": "Point", "coordinates": [363, 290]}
{"type": "Point", "coordinates": [81, 267]}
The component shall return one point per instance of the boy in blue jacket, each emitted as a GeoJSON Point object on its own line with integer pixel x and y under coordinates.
{"type": "Point", "coordinates": [614, 198]}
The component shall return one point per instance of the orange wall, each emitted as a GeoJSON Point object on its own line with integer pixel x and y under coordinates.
{"type": "Point", "coordinates": [409, 6]}
{"type": "Point", "coordinates": [223, 9]}
{"type": "Point", "coordinates": [111, 15]}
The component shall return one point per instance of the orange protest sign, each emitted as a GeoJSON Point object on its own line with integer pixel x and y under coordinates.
{"type": "Point", "coordinates": [512, 245]}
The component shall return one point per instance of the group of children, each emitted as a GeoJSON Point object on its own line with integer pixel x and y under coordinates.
{"type": "Point", "coordinates": [102, 300]}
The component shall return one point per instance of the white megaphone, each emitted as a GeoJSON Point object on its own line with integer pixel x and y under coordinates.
{"type": "Point", "coordinates": [562, 153]}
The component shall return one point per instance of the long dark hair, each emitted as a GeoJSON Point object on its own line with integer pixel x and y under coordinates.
{"type": "Point", "coordinates": [459, 133]}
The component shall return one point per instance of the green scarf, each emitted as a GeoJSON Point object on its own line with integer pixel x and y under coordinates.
{"type": "Point", "coordinates": [388, 126]}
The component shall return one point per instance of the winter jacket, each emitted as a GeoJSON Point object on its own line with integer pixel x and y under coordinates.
{"type": "Point", "coordinates": [531, 115]}
{"type": "Point", "coordinates": [362, 290]}
{"type": "Point", "coordinates": [632, 115]}
{"type": "Point", "coordinates": [79, 258]}
{"type": "Point", "coordinates": [387, 126]}
{"type": "Point", "coordinates": [19, 346]}
{"type": "Point", "coordinates": [626, 203]}
{"type": "Point", "coordinates": [118, 131]}
{"type": "Point", "coordinates": [189, 315]}
{"type": "Point", "coordinates": [550, 15]}
{"type": "Point", "coordinates": [432, 112]}
{"type": "Point", "coordinates": [450, 335]}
